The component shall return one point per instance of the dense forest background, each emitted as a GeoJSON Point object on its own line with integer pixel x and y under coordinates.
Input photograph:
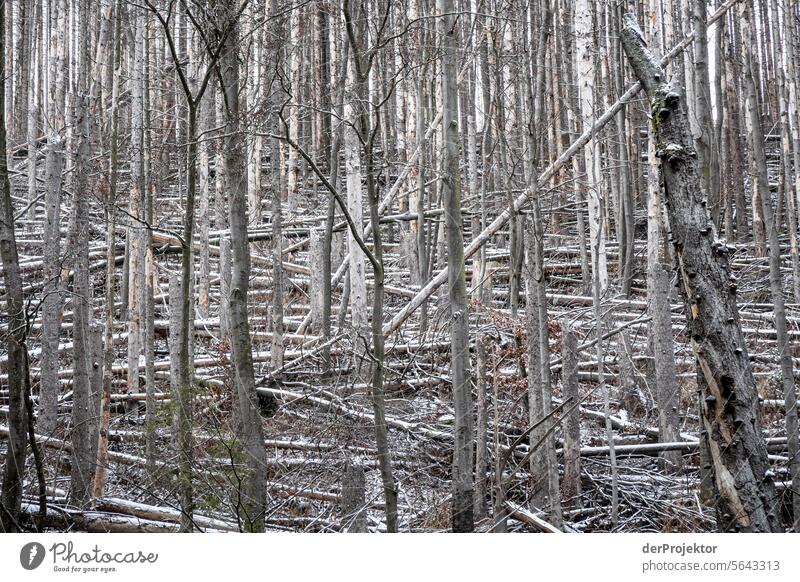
{"type": "Point", "coordinates": [375, 265]}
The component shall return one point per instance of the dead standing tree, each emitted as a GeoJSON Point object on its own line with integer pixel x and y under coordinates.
{"type": "Point", "coordinates": [463, 478]}
{"type": "Point", "coordinates": [366, 125]}
{"type": "Point", "coordinates": [193, 95]}
{"type": "Point", "coordinates": [17, 366]}
{"type": "Point", "coordinates": [248, 425]}
{"type": "Point", "coordinates": [745, 490]}
{"type": "Point", "coordinates": [85, 402]}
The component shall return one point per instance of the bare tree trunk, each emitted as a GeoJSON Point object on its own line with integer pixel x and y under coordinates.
{"type": "Point", "coordinates": [185, 353]}
{"type": "Point", "coordinates": [60, 67]}
{"type": "Point", "coordinates": [52, 301]}
{"type": "Point", "coordinates": [704, 138]}
{"type": "Point", "coordinates": [786, 182]}
{"type": "Point", "coordinates": [544, 463]}
{"type": "Point", "coordinates": [354, 519]}
{"type": "Point", "coordinates": [771, 223]}
{"type": "Point", "coordinates": [276, 349]}
{"type": "Point", "coordinates": [571, 484]}
{"type": "Point", "coordinates": [32, 102]}
{"type": "Point", "coordinates": [204, 220]}
{"type": "Point", "coordinates": [584, 27]}
{"type": "Point", "coordinates": [597, 299]}
{"type": "Point", "coordinates": [174, 340]}
{"type": "Point", "coordinates": [544, 466]}
{"type": "Point", "coordinates": [746, 493]}
{"type": "Point", "coordinates": [417, 204]}
{"type": "Point", "coordinates": [221, 223]}
{"type": "Point", "coordinates": [111, 224]}
{"type": "Point", "coordinates": [482, 278]}
{"type": "Point", "coordinates": [328, 242]}
{"type": "Point", "coordinates": [84, 410]}
{"type": "Point", "coordinates": [358, 280]}
{"type": "Point", "coordinates": [759, 182]}
{"type": "Point", "coordinates": [356, 24]}
{"type": "Point", "coordinates": [463, 479]}
{"type": "Point", "coordinates": [293, 177]}
{"type": "Point", "coordinates": [256, 142]}
{"type": "Point", "coordinates": [323, 79]}
{"type": "Point", "coordinates": [17, 369]}
{"type": "Point", "coordinates": [660, 340]}
{"type": "Point", "coordinates": [317, 296]}
{"type": "Point", "coordinates": [664, 359]}
{"type": "Point", "coordinates": [23, 68]}
{"type": "Point", "coordinates": [357, 268]}
{"type": "Point", "coordinates": [792, 54]}
{"type": "Point", "coordinates": [136, 257]}
{"type": "Point", "coordinates": [249, 429]}
{"type": "Point", "coordinates": [734, 153]}
{"type": "Point", "coordinates": [623, 177]}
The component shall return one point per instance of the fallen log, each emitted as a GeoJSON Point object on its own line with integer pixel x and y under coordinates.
{"type": "Point", "coordinates": [525, 516]}
{"type": "Point", "coordinates": [414, 429]}
{"type": "Point", "coordinates": [541, 182]}
{"type": "Point", "coordinates": [68, 519]}
{"type": "Point", "coordinates": [159, 514]}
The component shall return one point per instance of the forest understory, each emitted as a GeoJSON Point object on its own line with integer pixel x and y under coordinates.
{"type": "Point", "coordinates": [324, 420]}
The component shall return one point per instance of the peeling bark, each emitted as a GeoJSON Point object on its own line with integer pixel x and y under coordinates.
{"type": "Point", "coordinates": [746, 492]}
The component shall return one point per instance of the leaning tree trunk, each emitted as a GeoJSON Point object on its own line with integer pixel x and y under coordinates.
{"type": "Point", "coordinates": [730, 413]}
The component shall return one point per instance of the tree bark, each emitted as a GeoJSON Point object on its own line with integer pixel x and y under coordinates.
{"type": "Point", "coordinates": [136, 257]}
{"type": "Point", "coordinates": [52, 301]}
{"type": "Point", "coordinates": [585, 54]}
{"type": "Point", "coordinates": [772, 226]}
{"type": "Point", "coordinates": [17, 369]}
{"type": "Point", "coordinates": [354, 519]}
{"type": "Point", "coordinates": [482, 278]}
{"type": "Point", "coordinates": [84, 409]}
{"type": "Point", "coordinates": [571, 484]}
{"type": "Point", "coordinates": [664, 360]}
{"type": "Point", "coordinates": [356, 23]}
{"type": "Point", "coordinates": [745, 488]}
{"type": "Point", "coordinates": [110, 294]}
{"type": "Point", "coordinates": [463, 479]}
{"type": "Point", "coordinates": [248, 425]}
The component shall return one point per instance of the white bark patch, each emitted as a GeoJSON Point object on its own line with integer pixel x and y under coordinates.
{"type": "Point", "coordinates": [726, 484]}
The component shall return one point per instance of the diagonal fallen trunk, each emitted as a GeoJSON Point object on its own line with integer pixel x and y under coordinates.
{"type": "Point", "coordinates": [730, 411]}
{"type": "Point", "coordinates": [501, 220]}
